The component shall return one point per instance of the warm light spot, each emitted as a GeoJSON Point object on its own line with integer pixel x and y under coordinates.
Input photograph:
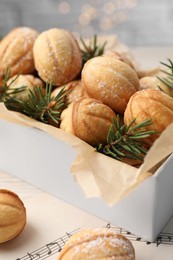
{"type": "Point", "coordinates": [131, 3]}
{"type": "Point", "coordinates": [64, 7]}
{"type": "Point", "coordinates": [120, 17]}
{"type": "Point", "coordinates": [109, 8]}
{"type": "Point", "coordinates": [105, 23]}
{"type": "Point", "coordinates": [95, 2]}
{"type": "Point", "coordinates": [90, 10]}
{"type": "Point", "coordinates": [118, 4]}
{"type": "Point", "coordinates": [85, 8]}
{"type": "Point", "coordinates": [84, 19]}
{"type": "Point", "coordinates": [93, 12]}
{"type": "Point", "coordinates": [101, 15]}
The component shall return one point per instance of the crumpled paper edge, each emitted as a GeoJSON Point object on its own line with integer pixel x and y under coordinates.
{"type": "Point", "coordinates": [99, 175]}
{"type": "Point", "coordinates": [96, 174]}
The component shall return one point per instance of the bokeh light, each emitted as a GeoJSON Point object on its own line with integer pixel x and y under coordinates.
{"type": "Point", "coordinates": [64, 7]}
{"type": "Point", "coordinates": [96, 15]}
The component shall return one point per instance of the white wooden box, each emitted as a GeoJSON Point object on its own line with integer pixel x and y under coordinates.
{"type": "Point", "coordinates": [40, 159]}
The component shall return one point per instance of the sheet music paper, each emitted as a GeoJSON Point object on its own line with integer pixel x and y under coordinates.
{"type": "Point", "coordinates": [20, 187]}
{"type": "Point", "coordinates": [50, 223]}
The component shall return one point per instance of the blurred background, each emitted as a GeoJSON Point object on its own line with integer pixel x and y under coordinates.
{"type": "Point", "coordinates": [135, 22]}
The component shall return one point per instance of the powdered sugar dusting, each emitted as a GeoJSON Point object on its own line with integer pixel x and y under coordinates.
{"type": "Point", "coordinates": [101, 243]}
{"type": "Point", "coordinates": [55, 52]}
{"type": "Point", "coordinates": [102, 84]}
{"type": "Point", "coordinates": [93, 104]}
{"type": "Point", "coordinates": [16, 50]}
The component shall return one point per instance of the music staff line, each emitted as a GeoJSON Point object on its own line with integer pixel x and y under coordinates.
{"type": "Point", "coordinates": [56, 246]}
{"type": "Point", "coordinates": [49, 249]}
{"type": "Point", "coordinates": [163, 237]}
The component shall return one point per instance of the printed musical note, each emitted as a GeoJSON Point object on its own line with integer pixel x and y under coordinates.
{"type": "Point", "coordinates": [169, 238]}
{"type": "Point", "coordinates": [158, 240]}
{"type": "Point", "coordinates": [31, 257]}
{"type": "Point", "coordinates": [56, 246]}
{"type": "Point", "coordinates": [37, 254]}
{"type": "Point", "coordinates": [163, 238]}
{"type": "Point", "coordinates": [68, 234]}
{"type": "Point", "coordinates": [108, 225]}
{"type": "Point", "coordinates": [49, 249]}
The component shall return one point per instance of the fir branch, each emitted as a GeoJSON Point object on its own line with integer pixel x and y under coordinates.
{"type": "Point", "coordinates": [38, 104]}
{"type": "Point", "coordinates": [92, 49]}
{"type": "Point", "coordinates": [168, 79]}
{"type": "Point", "coordinates": [43, 107]}
{"type": "Point", "coordinates": [126, 141]}
{"type": "Point", "coordinates": [7, 93]}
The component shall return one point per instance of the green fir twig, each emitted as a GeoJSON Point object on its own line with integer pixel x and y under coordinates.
{"type": "Point", "coordinates": [7, 92]}
{"type": "Point", "coordinates": [92, 49]}
{"type": "Point", "coordinates": [126, 141]}
{"type": "Point", "coordinates": [43, 107]}
{"type": "Point", "coordinates": [168, 79]}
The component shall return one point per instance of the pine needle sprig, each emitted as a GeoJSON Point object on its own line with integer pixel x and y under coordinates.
{"type": "Point", "coordinates": [168, 79]}
{"type": "Point", "coordinates": [126, 141]}
{"type": "Point", "coordinates": [92, 49]}
{"type": "Point", "coordinates": [43, 107]}
{"type": "Point", "coordinates": [7, 93]}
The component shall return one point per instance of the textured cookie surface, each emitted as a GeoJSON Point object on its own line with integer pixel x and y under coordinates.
{"type": "Point", "coordinates": [12, 215]}
{"type": "Point", "coordinates": [98, 243]}
{"type": "Point", "coordinates": [57, 56]}
{"type": "Point", "coordinates": [111, 81]}
{"type": "Point", "coordinates": [16, 51]}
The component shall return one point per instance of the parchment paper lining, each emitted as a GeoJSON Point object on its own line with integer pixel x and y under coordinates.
{"type": "Point", "coordinates": [97, 174]}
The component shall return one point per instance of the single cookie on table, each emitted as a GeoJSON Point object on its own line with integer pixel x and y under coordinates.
{"type": "Point", "coordinates": [88, 119]}
{"type": "Point", "coordinates": [12, 215]}
{"type": "Point", "coordinates": [97, 243]}
{"type": "Point", "coordinates": [16, 51]}
{"type": "Point", "coordinates": [111, 81]}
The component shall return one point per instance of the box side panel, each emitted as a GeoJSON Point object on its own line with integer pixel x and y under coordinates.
{"type": "Point", "coordinates": [164, 194]}
{"type": "Point", "coordinates": [39, 159]}
{"type": "Point", "coordinates": [34, 156]}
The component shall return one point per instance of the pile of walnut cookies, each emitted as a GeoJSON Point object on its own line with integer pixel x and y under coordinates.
{"type": "Point", "coordinates": [104, 87]}
{"type": "Point", "coordinates": [108, 84]}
